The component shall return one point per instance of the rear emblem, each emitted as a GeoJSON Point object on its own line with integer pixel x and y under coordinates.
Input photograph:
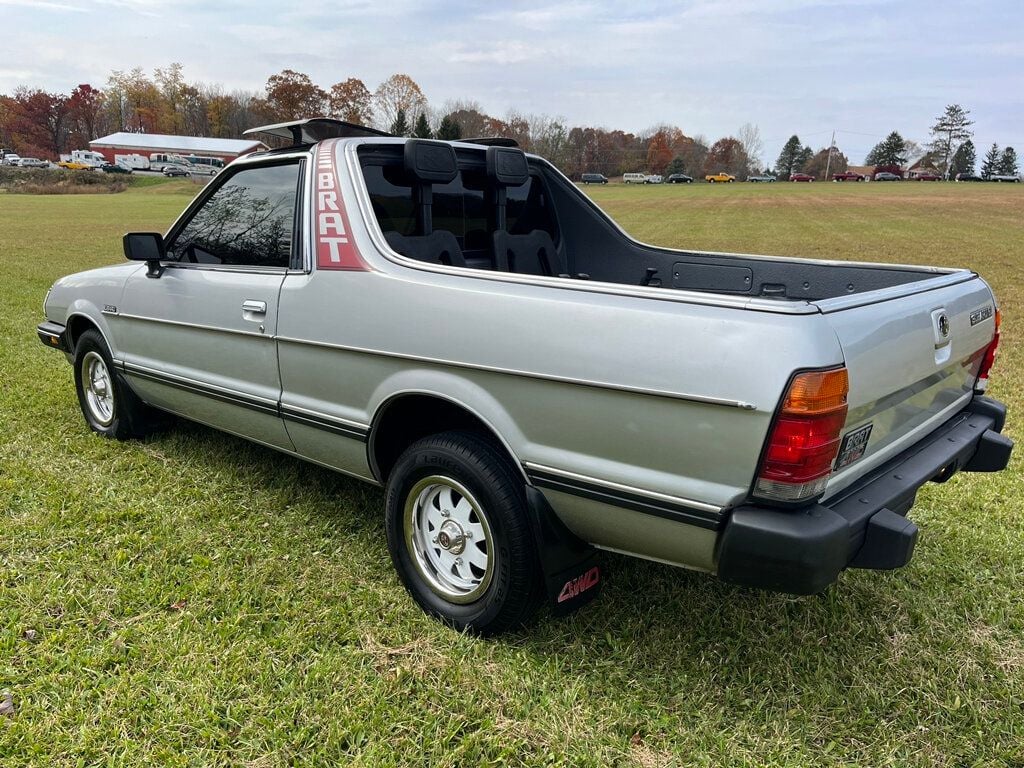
{"type": "Point", "coordinates": [944, 325]}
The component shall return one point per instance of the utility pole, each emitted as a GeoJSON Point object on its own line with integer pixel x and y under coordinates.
{"type": "Point", "coordinates": [831, 149]}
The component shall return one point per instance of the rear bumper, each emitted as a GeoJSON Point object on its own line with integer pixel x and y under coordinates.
{"type": "Point", "coordinates": [802, 551]}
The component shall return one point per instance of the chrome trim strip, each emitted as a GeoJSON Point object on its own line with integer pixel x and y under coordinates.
{"type": "Point", "coordinates": [526, 374]}
{"type": "Point", "coordinates": [199, 326]}
{"type": "Point", "coordinates": [573, 476]}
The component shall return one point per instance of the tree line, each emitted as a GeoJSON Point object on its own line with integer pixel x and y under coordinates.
{"type": "Point", "coordinates": [37, 123]}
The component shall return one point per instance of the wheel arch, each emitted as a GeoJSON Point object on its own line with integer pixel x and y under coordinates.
{"type": "Point", "coordinates": [406, 416]}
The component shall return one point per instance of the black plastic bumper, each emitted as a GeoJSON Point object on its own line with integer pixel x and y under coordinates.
{"type": "Point", "coordinates": [52, 335]}
{"type": "Point", "coordinates": [802, 551]}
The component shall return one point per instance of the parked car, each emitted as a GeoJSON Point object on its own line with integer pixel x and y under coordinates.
{"type": "Point", "coordinates": [719, 178]}
{"type": "Point", "coordinates": [11, 159]}
{"type": "Point", "coordinates": [509, 443]}
{"type": "Point", "coordinates": [765, 179]}
{"type": "Point", "coordinates": [801, 177]}
{"type": "Point", "coordinates": [1004, 177]}
{"type": "Point", "coordinates": [594, 178]}
{"type": "Point", "coordinates": [968, 177]}
{"type": "Point", "coordinates": [113, 168]}
{"type": "Point", "coordinates": [32, 162]}
{"type": "Point", "coordinates": [654, 178]}
{"type": "Point", "coordinates": [848, 176]}
{"type": "Point", "coordinates": [887, 176]}
{"type": "Point", "coordinates": [928, 176]}
{"type": "Point", "coordinates": [75, 165]}
{"type": "Point", "coordinates": [175, 170]}
{"type": "Point", "coordinates": [634, 178]}
{"type": "Point", "coordinates": [679, 178]}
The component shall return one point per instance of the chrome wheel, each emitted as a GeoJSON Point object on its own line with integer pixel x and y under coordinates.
{"type": "Point", "coordinates": [99, 389]}
{"type": "Point", "coordinates": [449, 538]}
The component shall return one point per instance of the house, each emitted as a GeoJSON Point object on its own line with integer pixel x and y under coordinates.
{"type": "Point", "coordinates": [920, 165]}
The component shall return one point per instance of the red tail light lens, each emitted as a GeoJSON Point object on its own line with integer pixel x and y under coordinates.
{"type": "Point", "coordinates": [990, 357]}
{"type": "Point", "coordinates": [805, 438]}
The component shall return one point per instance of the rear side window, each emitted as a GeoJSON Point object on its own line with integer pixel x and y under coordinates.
{"type": "Point", "coordinates": [462, 207]}
{"type": "Point", "coordinates": [249, 221]}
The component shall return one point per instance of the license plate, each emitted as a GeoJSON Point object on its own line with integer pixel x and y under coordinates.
{"type": "Point", "coordinates": [853, 446]}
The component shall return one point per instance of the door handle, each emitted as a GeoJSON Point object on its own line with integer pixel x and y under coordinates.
{"type": "Point", "coordinates": [254, 307]}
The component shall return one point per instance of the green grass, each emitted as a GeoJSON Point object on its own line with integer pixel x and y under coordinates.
{"type": "Point", "coordinates": [196, 600]}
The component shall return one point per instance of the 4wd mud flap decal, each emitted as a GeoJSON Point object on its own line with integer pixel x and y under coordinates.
{"type": "Point", "coordinates": [334, 246]}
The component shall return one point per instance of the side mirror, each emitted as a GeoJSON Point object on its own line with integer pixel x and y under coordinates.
{"type": "Point", "coordinates": [147, 247]}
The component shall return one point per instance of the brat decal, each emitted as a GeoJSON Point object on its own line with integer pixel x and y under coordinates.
{"type": "Point", "coordinates": [334, 246]}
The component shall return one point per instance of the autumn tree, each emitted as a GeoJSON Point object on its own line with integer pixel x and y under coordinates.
{"type": "Point", "coordinates": [86, 107]}
{"type": "Point", "coordinates": [749, 136]}
{"type": "Point", "coordinates": [1008, 162]}
{"type": "Point", "coordinates": [448, 130]}
{"type": "Point", "coordinates": [990, 165]}
{"type": "Point", "coordinates": [659, 153]}
{"type": "Point", "coordinates": [291, 95]}
{"type": "Point", "coordinates": [398, 92]}
{"type": "Point", "coordinates": [964, 159]}
{"type": "Point", "coordinates": [173, 93]}
{"type": "Point", "coordinates": [40, 122]}
{"type": "Point", "coordinates": [422, 128]}
{"type": "Point", "coordinates": [951, 128]}
{"type": "Point", "coordinates": [351, 101]}
{"type": "Point", "coordinates": [826, 162]}
{"type": "Point", "coordinates": [726, 155]}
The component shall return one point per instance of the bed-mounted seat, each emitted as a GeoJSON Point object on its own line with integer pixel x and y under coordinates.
{"type": "Point", "coordinates": [530, 254]}
{"type": "Point", "coordinates": [428, 163]}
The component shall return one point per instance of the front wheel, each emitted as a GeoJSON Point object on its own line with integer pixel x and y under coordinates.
{"type": "Point", "coordinates": [110, 408]}
{"type": "Point", "coordinates": [459, 534]}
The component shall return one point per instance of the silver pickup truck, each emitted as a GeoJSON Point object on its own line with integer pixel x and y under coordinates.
{"type": "Point", "coordinates": [458, 323]}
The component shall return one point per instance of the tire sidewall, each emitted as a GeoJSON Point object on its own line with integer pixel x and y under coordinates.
{"type": "Point", "coordinates": [500, 504]}
{"type": "Point", "coordinates": [92, 341]}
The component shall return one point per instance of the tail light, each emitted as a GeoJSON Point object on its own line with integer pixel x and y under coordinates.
{"type": "Point", "coordinates": [804, 439]}
{"type": "Point", "coordinates": [990, 357]}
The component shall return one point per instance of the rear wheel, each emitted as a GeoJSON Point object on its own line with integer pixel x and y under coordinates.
{"type": "Point", "coordinates": [110, 408]}
{"type": "Point", "coordinates": [459, 534]}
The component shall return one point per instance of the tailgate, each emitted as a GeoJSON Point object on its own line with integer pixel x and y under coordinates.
{"type": "Point", "coordinates": [912, 363]}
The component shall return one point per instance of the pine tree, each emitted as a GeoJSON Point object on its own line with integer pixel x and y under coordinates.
{"type": "Point", "coordinates": [990, 164]}
{"type": "Point", "coordinates": [422, 129]}
{"type": "Point", "coordinates": [1008, 162]}
{"type": "Point", "coordinates": [964, 160]}
{"type": "Point", "coordinates": [676, 166]}
{"type": "Point", "coordinates": [802, 158]}
{"type": "Point", "coordinates": [448, 130]}
{"type": "Point", "coordinates": [890, 153]}
{"type": "Point", "coordinates": [400, 127]}
{"type": "Point", "coordinates": [786, 163]}
{"type": "Point", "coordinates": [951, 128]}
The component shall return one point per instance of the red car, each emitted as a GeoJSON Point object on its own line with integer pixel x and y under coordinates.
{"type": "Point", "coordinates": [928, 177]}
{"type": "Point", "coordinates": [800, 177]}
{"type": "Point", "coordinates": [847, 176]}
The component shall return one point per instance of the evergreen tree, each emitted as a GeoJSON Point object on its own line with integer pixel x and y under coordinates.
{"type": "Point", "coordinates": [951, 128]}
{"type": "Point", "coordinates": [802, 158]}
{"type": "Point", "coordinates": [1008, 162]}
{"type": "Point", "coordinates": [990, 164]}
{"type": "Point", "coordinates": [786, 163]}
{"type": "Point", "coordinates": [401, 126]}
{"type": "Point", "coordinates": [964, 160]}
{"type": "Point", "coordinates": [890, 152]}
{"type": "Point", "coordinates": [676, 166]}
{"type": "Point", "coordinates": [422, 129]}
{"type": "Point", "coordinates": [448, 130]}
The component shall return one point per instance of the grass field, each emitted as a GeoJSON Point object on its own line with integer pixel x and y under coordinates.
{"type": "Point", "coordinates": [196, 600]}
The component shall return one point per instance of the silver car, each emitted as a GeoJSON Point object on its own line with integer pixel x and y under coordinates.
{"type": "Point", "coordinates": [459, 324]}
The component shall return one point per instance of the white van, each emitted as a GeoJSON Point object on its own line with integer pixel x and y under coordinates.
{"type": "Point", "coordinates": [634, 178]}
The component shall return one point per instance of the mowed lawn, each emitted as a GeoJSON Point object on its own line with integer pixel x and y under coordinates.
{"type": "Point", "coordinates": [197, 600]}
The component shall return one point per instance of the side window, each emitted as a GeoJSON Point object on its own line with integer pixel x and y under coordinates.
{"type": "Point", "coordinates": [249, 220]}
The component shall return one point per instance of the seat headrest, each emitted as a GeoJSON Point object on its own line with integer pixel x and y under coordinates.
{"type": "Point", "coordinates": [431, 162]}
{"type": "Point", "coordinates": [507, 166]}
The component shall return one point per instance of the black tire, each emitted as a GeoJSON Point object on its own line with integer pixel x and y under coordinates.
{"type": "Point", "coordinates": [513, 589]}
{"type": "Point", "coordinates": [128, 416]}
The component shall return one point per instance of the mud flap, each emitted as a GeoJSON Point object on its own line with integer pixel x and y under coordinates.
{"type": "Point", "coordinates": [572, 576]}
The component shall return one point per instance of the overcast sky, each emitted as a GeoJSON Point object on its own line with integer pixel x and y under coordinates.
{"type": "Point", "coordinates": [861, 67]}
